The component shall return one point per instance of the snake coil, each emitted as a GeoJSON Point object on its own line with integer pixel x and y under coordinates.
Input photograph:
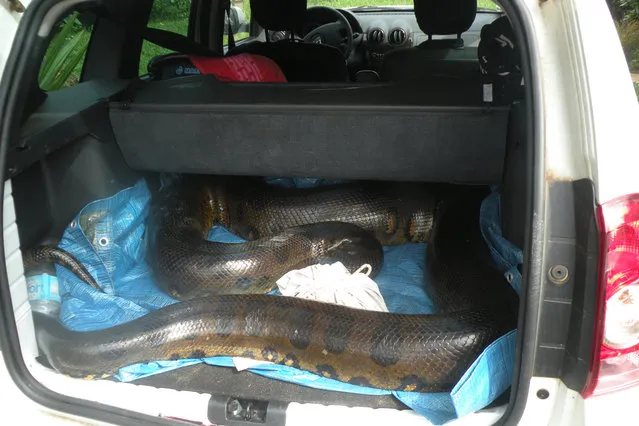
{"type": "Point", "coordinates": [423, 353]}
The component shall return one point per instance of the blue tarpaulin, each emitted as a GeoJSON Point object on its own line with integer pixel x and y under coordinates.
{"type": "Point", "coordinates": [108, 236]}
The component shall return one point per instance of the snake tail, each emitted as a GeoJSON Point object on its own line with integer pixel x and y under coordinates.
{"type": "Point", "coordinates": [37, 256]}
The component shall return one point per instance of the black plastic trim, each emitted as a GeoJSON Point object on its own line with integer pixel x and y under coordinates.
{"type": "Point", "coordinates": [579, 344]}
{"type": "Point", "coordinates": [301, 138]}
{"type": "Point", "coordinates": [571, 246]}
{"type": "Point", "coordinates": [43, 201]}
{"type": "Point", "coordinates": [193, 8]}
{"type": "Point", "coordinates": [65, 116]}
{"type": "Point", "coordinates": [103, 60]}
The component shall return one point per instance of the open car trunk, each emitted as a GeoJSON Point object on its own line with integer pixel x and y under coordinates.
{"type": "Point", "coordinates": [90, 159]}
{"type": "Point", "coordinates": [101, 140]}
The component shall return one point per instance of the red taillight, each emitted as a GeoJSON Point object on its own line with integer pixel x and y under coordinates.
{"type": "Point", "coordinates": [615, 360]}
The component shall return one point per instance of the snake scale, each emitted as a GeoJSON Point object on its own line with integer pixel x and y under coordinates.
{"type": "Point", "coordinates": [291, 228]}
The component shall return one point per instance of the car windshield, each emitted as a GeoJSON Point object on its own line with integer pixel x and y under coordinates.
{"type": "Point", "coordinates": [374, 4]}
{"type": "Point", "coordinates": [361, 4]}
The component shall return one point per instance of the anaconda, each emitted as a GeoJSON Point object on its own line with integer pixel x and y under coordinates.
{"type": "Point", "coordinates": [425, 353]}
{"type": "Point", "coordinates": [286, 228]}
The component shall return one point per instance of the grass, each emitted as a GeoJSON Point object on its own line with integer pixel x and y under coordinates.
{"type": "Point", "coordinates": [637, 90]}
{"type": "Point", "coordinates": [487, 4]}
{"type": "Point", "coordinates": [150, 50]}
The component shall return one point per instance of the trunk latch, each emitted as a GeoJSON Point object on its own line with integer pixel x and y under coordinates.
{"type": "Point", "coordinates": [236, 411]}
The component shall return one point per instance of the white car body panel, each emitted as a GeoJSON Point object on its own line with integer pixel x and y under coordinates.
{"type": "Point", "coordinates": [8, 26]}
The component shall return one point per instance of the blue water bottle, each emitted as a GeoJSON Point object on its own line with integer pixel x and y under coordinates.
{"type": "Point", "coordinates": [42, 287]}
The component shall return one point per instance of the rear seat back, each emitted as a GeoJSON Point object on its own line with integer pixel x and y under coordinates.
{"type": "Point", "coordinates": [172, 65]}
{"type": "Point", "coordinates": [447, 59]}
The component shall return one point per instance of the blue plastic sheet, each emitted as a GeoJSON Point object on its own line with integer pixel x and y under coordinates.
{"type": "Point", "coordinates": [113, 249]}
{"type": "Point", "coordinates": [508, 258]}
{"type": "Point", "coordinates": [113, 252]}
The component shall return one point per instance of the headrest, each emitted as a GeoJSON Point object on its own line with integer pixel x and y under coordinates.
{"type": "Point", "coordinates": [279, 15]}
{"type": "Point", "coordinates": [500, 61]}
{"type": "Point", "coordinates": [444, 17]}
{"type": "Point", "coordinates": [498, 53]}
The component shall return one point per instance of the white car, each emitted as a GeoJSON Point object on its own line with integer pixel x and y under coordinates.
{"type": "Point", "coordinates": [539, 108]}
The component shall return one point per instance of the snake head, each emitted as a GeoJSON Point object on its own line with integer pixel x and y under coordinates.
{"type": "Point", "coordinates": [348, 244]}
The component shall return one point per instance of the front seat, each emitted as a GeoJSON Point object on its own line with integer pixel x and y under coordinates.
{"type": "Point", "coordinates": [300, 62]}
{"type": "Point", "coordinates": [444, 58]}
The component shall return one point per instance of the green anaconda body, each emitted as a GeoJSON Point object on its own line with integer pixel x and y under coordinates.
{"type": "Point", "coordinates": [287, 229]}
{"type": "Point", "coordinates": [425, 353]}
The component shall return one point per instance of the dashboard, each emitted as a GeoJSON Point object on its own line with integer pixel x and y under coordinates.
{"type": "Point", "coordinates": [376, 31]}
{"type": "Point", "coordinates": [393, 29]}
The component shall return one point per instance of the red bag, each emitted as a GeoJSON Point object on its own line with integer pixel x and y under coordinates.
{"type": "Point", "coordinates": [242, 67]}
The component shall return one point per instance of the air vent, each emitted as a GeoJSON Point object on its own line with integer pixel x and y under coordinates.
{"type": "Point", "coordinates": [376, 36]}
{"type": "Point", "coordinates": [397, 36]}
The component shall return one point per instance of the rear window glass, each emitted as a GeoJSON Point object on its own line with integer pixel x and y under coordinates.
{"type": "Point", "coordinates": [62, 63]}
{"type": "Point", "coordinates": [244, 6]}
{"type": "Point", "coordinates": [168, 15]}
{"type": "Point", "coordinates": [482, 4]}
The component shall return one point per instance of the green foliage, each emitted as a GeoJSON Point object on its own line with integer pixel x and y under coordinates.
{"type": "Point", "coordinates": [630, 9]}
{"type": "Point", "coordinates": [246, 8]}
{"type": "Point", "coordinates": [170, 10]}
{"type": "Point", "coordinates": [622, 10]}
{"type": "Point", "coordinates": [637, 90]}
{"type": "Point", "coordinates": [168, 15]}
{"type": "Point", "coordinates": [150, 50]}
{"type": "Point", "coordinates": [64, 56]}
{"type": "Point", "coordinates": [628, 31]}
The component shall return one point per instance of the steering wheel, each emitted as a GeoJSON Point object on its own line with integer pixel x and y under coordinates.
{"type": "Point", "coordinates": [338, 33]}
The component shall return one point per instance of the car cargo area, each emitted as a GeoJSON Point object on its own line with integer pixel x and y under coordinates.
{"type": "Point", "coordinates": [435, 167]}
{"type": "Point", "coordinates": [160, 132]}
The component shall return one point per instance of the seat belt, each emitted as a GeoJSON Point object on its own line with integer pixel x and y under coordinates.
{"type": "Point", "coordinates": [176, 42]}
{"type": "Point", "coordinates": [166, 39]}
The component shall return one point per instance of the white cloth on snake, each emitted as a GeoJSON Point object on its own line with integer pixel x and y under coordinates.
{"type": "Point", "coordinates": [334, 284]}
